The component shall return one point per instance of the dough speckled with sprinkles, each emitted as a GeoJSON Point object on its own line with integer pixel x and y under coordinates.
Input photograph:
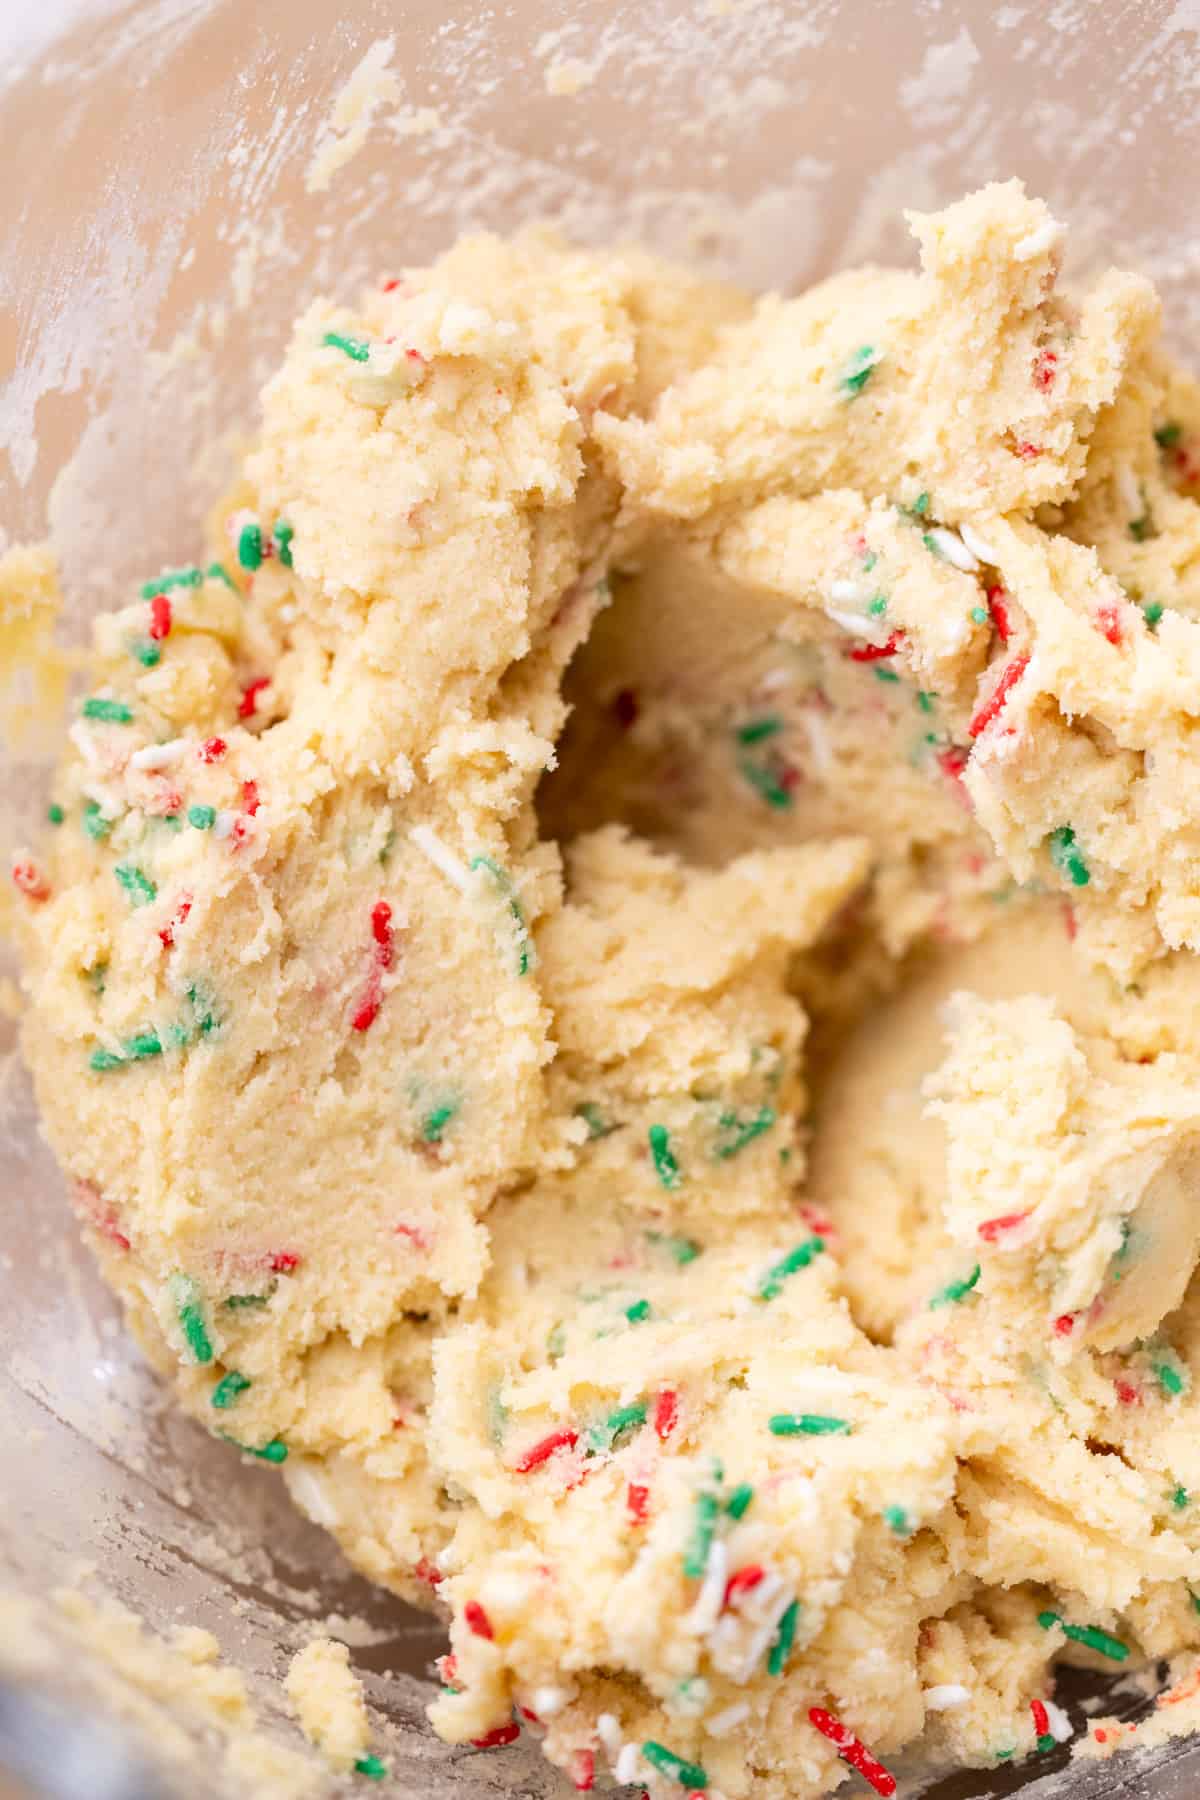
{"type": "Point", "coordinates": [614, 969]}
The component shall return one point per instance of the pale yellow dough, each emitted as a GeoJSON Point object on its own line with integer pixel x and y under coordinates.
{"type": "Point", "coordinates": [735, 1115]}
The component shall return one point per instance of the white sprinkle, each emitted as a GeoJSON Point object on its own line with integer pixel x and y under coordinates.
{"type": "Point", "coordinates": [442, 859]}
{"type": "Point", "coordinates": [1129, 492]}
{"type": "Point", "coordinates": [724, 1722]}
{"type": "Point", "coordinates": [818, 741]}
{"type": "Point", "coordinates": [1060, 1725]}
{"type": "Point", "coordinates": [311, 1495]}
{"type": "Point", "coordinates": [1044, 238]}
{"type": "Point", "coordinates": [848, 590]}
{"type": "Point", "coordinates": [945, 1695]}
{"type": "Point", "coordinates": [158, 756]}
{"type": "Point", "coordinates": [857, 624]}
{"type": "Point", "coordinates": [978, 546]}
{"type": "Point", "coordinates": [774, 679]}
{"type": "Point", "coordinates": [762, 1640]}
{"type": "Point", "coordinates": [85, 743]}
{"type": "Point", "coordinates": [626, 1767]}
{"type": "Point", "coordinates": [707, 1610]}
{"type": "Point", "coordinates": [236, 522]}
{"type": "Point", "coordinates": [608, 1730]}
{"type": "Point", "coordinates": [548, 1702]}
{"type": "Point", "coordinates": [223, 823]}
{"type": "Point", "coordinates": [950, 545]}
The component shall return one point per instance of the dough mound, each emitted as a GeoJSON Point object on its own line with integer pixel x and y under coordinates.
{"type": "Point", "coordinates": [488, 976]}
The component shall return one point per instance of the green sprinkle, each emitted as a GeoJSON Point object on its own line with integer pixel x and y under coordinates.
{"type": "Point", "coordinates": [743, 1130]}
{"type": "Point", "coordinates": [228, 1389]}
{"type": "Point", "coordinates": [218, 572]}
{"type": "Point", "coordinates": [1047, 1741]}
{"type": "Point", "coordinates": [920, 506]}
{"type": "Point", "coordinates": [433, 1125]}
{"type": "Point", "coordinates": [94, 822]}
{"type": "Point", "coordinates": [766, 782]}
{"type": "Point", "coordinates": [1152, 612]}
{"type": "Point", "coordinates": [146, 1043]}
{"type": "Point", "coordinates": [925, 700]}
{"type": "Point", "coordinates": [100, 1061]}
{"type": "Point", "coordinates": [250, 546]}
{"type": "Point", "coordinates": [556, 1343]}
{"type": "Point", "coordinates": [283, 533]}
{"type": "Point", "coordinates": [1089, 1635]}
{"type": "Point", "coordinates": [638, 1312]}
{"type": "Point", "coordinates": [146, 652]}
{"type": "Point", "coordinates": [808, 1425]}
{"type": "Point", "coordinates": [1195, 1600]}
{"type": "Point", "coordinates": [236, 1300]}
{"type": "Point", "coordinates": [598, 1126]}
{"type": "Point", "coordinates": [189, 1310]}
{"type": "Point", "coordinates": [139, 887]}
{"type": "Point", "coordinates": [739, 1500]}
{"type": "Point", "coordinates": [887, 676]}
{"type": "Point", "coordinates": [756, 730]}
{"type": "Point", "coordinates": [112, 712]}
{"type": "Point", "coordinates": [274, 1452]}
{"type": "Point", "coordinates": [859, 369]}
{"type": "Point", "coordinates": [174, 578]}
{"type": "Point", "coordinates": [497, 1417]}
{"type": "Point", "coordinates": [357, 349]}
{"type": "Point", "coordinates": [954, 1291]}
{"type": "Point", "coordinates": [682, 1250]}
{"type": "Point", "coordinates": [704, 1524]}
{"type": "Point", "coordinates": [520, 930]}
{"type": "Point", "coordinates": [1180, 1498]}
{"type": "Point", "coordinates": [878, 606]}
{"type": "Point", "coordinates": [785, 1637]}
{"type": "Point", "coordinates": [202, 817]}
{"type": "Point", "coordinates": [618, 1425]}
{"type": "Point", "coordinates": [1170, 1379]}
{"type": "Point", "coordinates": [1066, 857]}
{"type": "Point", "coordinates": [799, 1258]}
{"type": "Point", "coordinates": [897, 1520]}
{"type": "Point", "coordinates": [371, 1767]}
{"type": "Point", "coordinates": [979, 615]}
{"type": "Point", "coordinates": [1168, 435]}
{"type": "Point", "coordinates": [688, 1775]}
{"type": "Point", "coordinates": [665, 1165]}
{"type": "Point", "coordinates": [1140, 529]}
{"type": "Point", "coordinates": [55, 813]}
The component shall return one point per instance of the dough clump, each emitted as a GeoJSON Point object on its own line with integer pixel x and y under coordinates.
{"type": "Point", "coordinates": [615, 976]}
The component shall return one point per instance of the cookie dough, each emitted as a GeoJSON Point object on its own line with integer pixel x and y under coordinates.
{"type": "Point", "coordinates": [615, 974]}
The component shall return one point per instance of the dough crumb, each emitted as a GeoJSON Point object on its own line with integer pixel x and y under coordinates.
{"type": "Point", "coordinates": [327, 1698]}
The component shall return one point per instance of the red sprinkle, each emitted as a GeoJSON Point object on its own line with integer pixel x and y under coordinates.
{"type": "Point", "coordinates": [1041, 1720]}
{"type": "Point", "coordinates": [991, 1229]}
{"type": "Point", "coordinates": [1127, 1394]}
{"type": "Point", "coordinates": [742, 1581]}
{"type": "Point", "coordinates": [248, 704]}
{"type": "Point", "coordinates": [851, 1751]}
{"type": "Point", "coordinates": [432, 1576]}
{"type": "Point", "coordinates": [867, 653]}
{"type": "Point", "coordinates": [1045, 369]}
{"type": "Point", "coordinates": [1064, 1325]}
{"type": "Point", "coordinates": [997, 599]}
{"type": "Point", "coordinates": [391, 284]}
{"type": "Point", "coordinates": [477, 1620]}
{"type": "Point", "coordinates": [1108, 617]}
{"type": "Point", "coordinates": [637, 1501]}
{"type": "Point", "coordinates": [414, 1234]}
{"type": "Point", "coordinates": [167, 934]}
{"type": "Point", "coordinates": [213, 749]}
{"type": "Point", "coordinates": [160, 617]}
{"type": "Point", "coordinates": [1027, 450]}
{"type": "Point", "coordinates": [282, 1262]}
{"type": "Point", "coordinates": [994, 706]}
{"type": "Point", "coordinates": [542, 1451]}
{"type": "Point", "coordinates": [952, 761]}
{"type": "Point", "coordinates": [583, 1770]}
{"type": "Point", "coordinates": [29, 879]}
{"type": "Point", "coordinates": [99, 1213]}
{"type": "Point", "coordinates": [1070, 922]}
{"type": "Point", "coordinates": [666, 1413]}
{"type": "Point", "coordinates": [503, 1734]}
{"type": "Point", "coordinates": [381, 931]}
{"type": "Point", "coordinates": [1101, 1737]}
{"type": "Point", "coordinates": [367, 1011]}
{"type": "Point", "coordinates": [250, 799]}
